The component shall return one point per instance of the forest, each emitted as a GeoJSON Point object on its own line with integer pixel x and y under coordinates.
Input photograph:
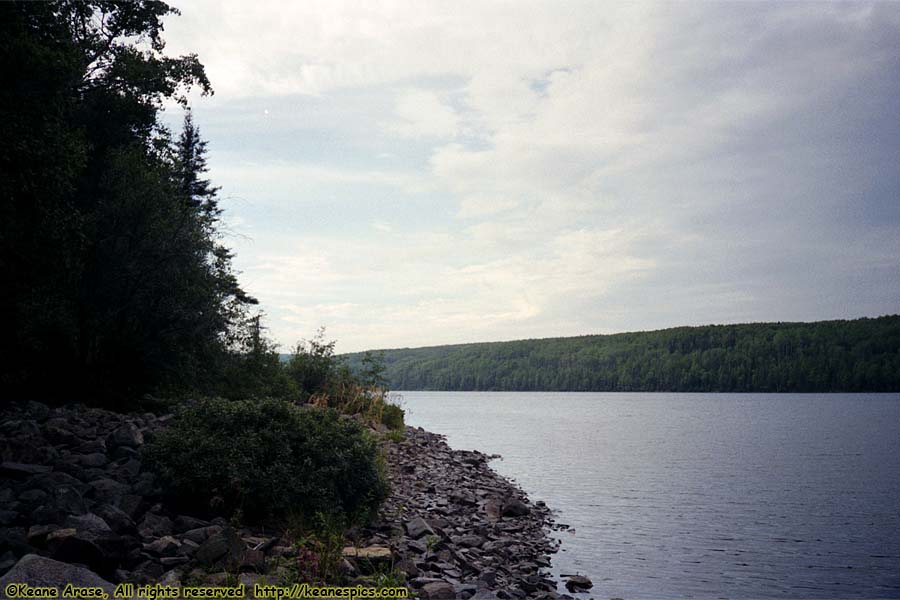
{"type": "Point", "coordinates": [119, 290]}
{"type": "Point", "coordinates": [861, 355]}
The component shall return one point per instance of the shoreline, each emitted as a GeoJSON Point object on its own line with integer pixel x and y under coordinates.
{"type": "Point", "coordinates": [75, 491]}
{"type": "Point", "coordinates": [459, 527]}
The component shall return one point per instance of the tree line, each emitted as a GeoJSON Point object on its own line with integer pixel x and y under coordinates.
{"type": "Point", "coordinates": [117, 283]}
{"type": "Point", "coordinates": [860, 355]}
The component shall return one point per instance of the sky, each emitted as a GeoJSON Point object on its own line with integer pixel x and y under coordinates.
{"type": "Point", "coordinates": [422, 173]}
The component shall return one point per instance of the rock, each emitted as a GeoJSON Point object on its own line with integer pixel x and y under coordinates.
{"type": "Point", "coordinates": [33, 498]}
{"type": "Point", "coordinates": [132, 505]}
{"type": "Point", "coordinates": [147, 571]}
{"type": "Point", "coordinates": [201, 534]}
{"type": "Point", "coordinates": [493, 509]}
{"type": "Point", "coordinates": [68, 545]}
{"type": "Point", "coordinates": [164, 546]}
{"type": "Point", "coordinates": [515, 508]}
{"type": "Point", "coordinates": [188, 548]}
{"type": "Point", "coordinates": [8, 517]}
{"type": "Point", "coordinates": [224, 546]}
{"type": "Point", "coordinates": [108, 489]}
{"type": "Point", "coordinates": [37, 534]}
{"type": "Point", "coordinates": [38, 571]}
{"type": "Point", "coordinates": [21, 470]}
{"type": "Point", "coordinates": [368, 553]}
{"type": "Point", "coordinates": [172, 578]}
{"type": "Point", "coordinates": [116, 518]}
{"type": "Point", "coordinates": [51, 482]}
{"type": "Point", "coordinates": [253, 561]}
{"type": "Point", "coordinates": [173, 561]}
{"type": "Point", "coordinates": [69, 500]}
{"type": "Point", "coordinates": [87, 522]}
{"type": "Point", "coordinates": [59, 534]}
{"type": "Point", "coordinates": [37, 410]}
{"type": "Point", "coordinates": [127, 435]}
{"type": "Point", "coordinates": [438, 590]}
{"type": "Point", "coordinates": [96, 459]}
{"type": "Point", "coordinates": [469, 541]}
{"type": "Point", "coordinates": [577, 583]}
{"type": "Point", "coordinates": [155, 526]}
{"type": "Point", "coordinates": [184, 523]}
{"type": "Point", "coordinates": [14, 539]}
{"type": "Point", "coordinates": [417, 528]}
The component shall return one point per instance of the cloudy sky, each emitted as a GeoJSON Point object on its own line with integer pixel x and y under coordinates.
{"type": "Point", "coordinates": [420, 173]}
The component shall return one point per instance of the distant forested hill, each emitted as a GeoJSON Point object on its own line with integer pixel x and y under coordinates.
{"type": "Point", "coordinates": [853, 356]}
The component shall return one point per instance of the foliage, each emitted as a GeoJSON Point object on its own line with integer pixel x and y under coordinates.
{"type": "Point", "coordinates": [321, 378]}
{"type": "Point", "coordinates": [853, 356]}
{"type": "Point", "coordinates": [271, 459]}
{"type": "Point", "coordinates": [392, 416]}
{"type": "Point", "coordinates": [108, 232]}
{"type": "Point", "coordinates": [319, 550]}
{"type": "Point", "coordinates": [313, 367]}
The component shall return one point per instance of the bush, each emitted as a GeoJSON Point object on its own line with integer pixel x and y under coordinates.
{"type": "Point", "coordinates": [269, 459]}
{"type": "Point", "coordinates": [392, 416]}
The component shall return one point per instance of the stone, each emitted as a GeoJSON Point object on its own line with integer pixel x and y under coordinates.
{"type": "Point", "coordinates": [7, 562]}
{"type": "Point", "coordinates": [173, 561]}
{"type": "Point", "coordinates": [188, 547]}
{"type": "Point", "coordinates": [379, 553]}
{"type": "Point", "coordinates": [53, 481]}
{"type": "Point", "coordinates": [33, 497]}
{"type": "Point", "coordinates": [469, 541]}
{"type": "Point", "coordinates": [38, 571]}
{"type": "Point", "coordinates": [14, 539]}
{"type": "Point", "coordinates": [493, 509]}
{"type": "Point", "coordinates": [37, 534]}
{"type": "Point", "coordinates": [164, 546]}
{"type": "Point", "coordinates": [116, 518]}
{"type": "Point", "coordinates": [171, 578]}
{"type": "Point", "coordinates": [515, 508]}
{"type": "Point", "coordinates": [37, 410]}
{"type": "Point", "coordinates": [87, 523]}
{"type": "Point", "coordinates": [224, 546]}
{"type": "Point", "coordinates": [438, 590]}
{"type": "Point", "coordinates": [127, 435]}
{"type": "Point", "coordinates": [21, 470]}
{"type": "Point", "coordinates": [132, 505]}
{"type": "Point", "coordinates": [184, 523]}
{"type": "Point", "coordinates": [155, 526]}
{"type": "Point", "coordinates": [252, 561]}
{"type": "Point", "coordinates": [81, 549]}
{"type": "Point", "coordinates": [578, 583]}
{"type": "Point", "coordinates": [108, 489]}
{"type": "Point", "coordinates": [147, 571]}
{"type": "Point", "coordinates": [8, 517]}
{"type": "Point", "coordinates": [417, 528]}
{"type": "Point", "coordinates": [96, 459]}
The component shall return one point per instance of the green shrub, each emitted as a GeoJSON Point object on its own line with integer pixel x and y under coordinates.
{"type": "Point", "coordinates": [392, 416]}
{"type": "Point", "coordinates": [270, 459]}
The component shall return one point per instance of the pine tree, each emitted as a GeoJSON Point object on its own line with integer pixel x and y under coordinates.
{"type": "Point", "coordinates": [191, 167]}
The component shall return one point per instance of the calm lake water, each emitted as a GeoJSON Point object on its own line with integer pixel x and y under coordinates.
{"type": "Point", "coordinates": [700, 495]}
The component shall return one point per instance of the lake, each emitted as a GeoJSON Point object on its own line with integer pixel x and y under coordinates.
{"type": "Point", "coordinates": [699, 495]}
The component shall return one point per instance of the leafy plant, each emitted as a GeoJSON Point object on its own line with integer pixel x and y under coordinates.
{"type": "Point", "coordinates": [270, 459]}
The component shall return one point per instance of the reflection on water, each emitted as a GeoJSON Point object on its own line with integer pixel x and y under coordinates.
{"type": "Point", "coordinates": [700, 495]}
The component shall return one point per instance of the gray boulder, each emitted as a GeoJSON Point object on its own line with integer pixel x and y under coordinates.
{"type": "Point", "coordinates": [417, 528]}
{"type": "Point", "coordinates": [127, 435]}
{"type": "Point", "coordinates": [39, 571]}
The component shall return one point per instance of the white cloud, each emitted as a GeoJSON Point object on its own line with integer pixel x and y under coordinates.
{"type": "Point", "coordinates": [561, 168]}
{"type": "Point", "coordinates": [422, 113]}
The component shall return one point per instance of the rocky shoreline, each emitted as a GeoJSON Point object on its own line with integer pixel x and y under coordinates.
{"type": "Point", "coordinates": [74, 490]}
